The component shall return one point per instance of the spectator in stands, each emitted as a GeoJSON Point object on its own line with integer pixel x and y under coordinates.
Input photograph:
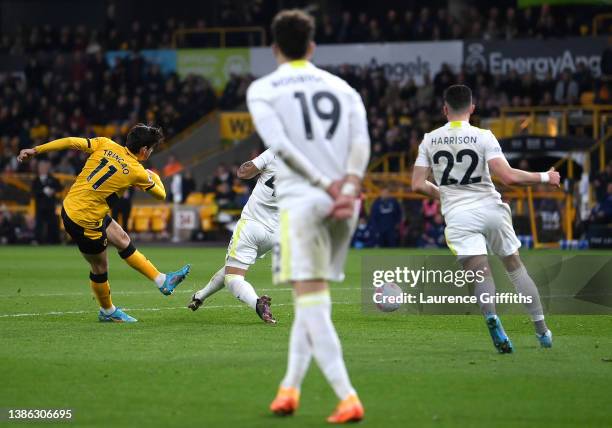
{"type": "Point", "coordinates": [602, 212]}
{"type": "Point", "coordinates": [225, 196]}
{"type": "Point", "coordinates": [385, 219]}
{"type": "Point", "coordinates": [123, 208]}
{"type": "Point", "coordinates": [7, 227]}
{"type": "Point", "coordinates": [583, 77]}
{"type": "Point", "coordinates": [429, 209]}
{"type": "Point", "coordinates": [45, 188]}
{"type": "Point", "coordinates": [363, 237]}
{"type": "Point", "coordinates": [566, 89]}
{"type": "Point", "coordinates": [601, 181]}
{"type": "Point", "coordinates": [188, 186]}
{"type": "Point", "coordinates": [172, 166]}
{"type": "Point", "coordinates": [433, 236]}
{"type": "Point", "coordinates": [241, 190]}
{"type": "Point", "coordinates": [222, 176]}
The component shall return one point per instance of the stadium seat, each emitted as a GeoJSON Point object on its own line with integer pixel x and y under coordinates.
{"type": "Point", "coordinates": [142, 219]}
{"type": "Point", "coordinates": [159, 218]}
{"type": "Point", "coordinates": [587, 98]}
{"type": "Point", "coordinates": [196, 198]}
{"type": "Point", "coordinates": [207, 214]}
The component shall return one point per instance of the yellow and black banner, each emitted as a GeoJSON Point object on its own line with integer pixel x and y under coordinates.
{"type": "Point", "coordinates": [235, 125]}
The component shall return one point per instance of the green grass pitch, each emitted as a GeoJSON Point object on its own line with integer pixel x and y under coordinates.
{"type": "Point", "coordinates": [221, 366]}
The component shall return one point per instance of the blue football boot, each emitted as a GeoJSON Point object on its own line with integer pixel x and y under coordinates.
{"type": "Point", "coordinates": [545, 339]}
{"type": "Point", "coordinates": [173, 279]}
{"type": "Point", "coordinates": [117, 316]}
{"type": "Point", "coordinates": [500, 339]}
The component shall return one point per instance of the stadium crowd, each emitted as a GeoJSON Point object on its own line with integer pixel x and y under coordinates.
{"type": "Point", "coordinates": [85, 96]}
{"type": "Point", "coordinates": [69, 88]}
{"type": "Point", "coordinates": [348, 26]}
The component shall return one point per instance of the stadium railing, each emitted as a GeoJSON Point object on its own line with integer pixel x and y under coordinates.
{"type": "Point", "coordinates": [219, 34]}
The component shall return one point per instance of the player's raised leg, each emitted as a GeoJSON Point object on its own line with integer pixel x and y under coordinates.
{"type": "Point", "coordinates": [526, 286]}
{"type": "Point", "coordinates": [166, 282]}
{"type": "Point", "coordinates": [101, 289]}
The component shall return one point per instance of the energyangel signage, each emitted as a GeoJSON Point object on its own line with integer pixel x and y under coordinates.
{"type": "Point", "coordinates": [541, 57]}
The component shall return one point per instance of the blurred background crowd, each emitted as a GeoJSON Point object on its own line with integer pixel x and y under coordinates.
{"type": "Point", "coordinates": [69, 88]}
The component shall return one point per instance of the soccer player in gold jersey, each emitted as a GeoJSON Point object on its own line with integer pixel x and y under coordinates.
{"type": "Point", "coordinates": [109, 171]}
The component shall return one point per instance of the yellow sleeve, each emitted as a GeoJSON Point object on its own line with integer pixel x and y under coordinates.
{"type": "Point", "coordinates": [84, 144]}
{"type": "Point", "coordinates": [150, 182]}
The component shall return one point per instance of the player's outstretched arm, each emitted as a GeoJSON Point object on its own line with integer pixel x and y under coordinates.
{"type": "Point", "coordinates": [75, 143]}
{"type": "Point", "coordinates": [151, 183]}
{"type": "Point", "coordinates": [517, 177]}
{"type": "Point", "coordinates": [247, 171]}
{"type": "Point", "coordinates": [421, 185]}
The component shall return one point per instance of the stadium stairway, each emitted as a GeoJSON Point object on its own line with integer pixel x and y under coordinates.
{"type": "Point", "coordinates": [200, 149]}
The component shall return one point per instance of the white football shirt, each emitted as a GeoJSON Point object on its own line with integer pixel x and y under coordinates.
{"type": "Point", "coordinates": [319, 115]}
{"type": "Point", "coordinates": [458, 154]}
{"type": "Point", "coordinates": [262, 206]}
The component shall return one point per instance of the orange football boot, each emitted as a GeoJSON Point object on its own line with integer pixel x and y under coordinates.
{"type": "Point", "coordinates": [349, 410]}
{"type": "Point", "coordinates": [286, 402]}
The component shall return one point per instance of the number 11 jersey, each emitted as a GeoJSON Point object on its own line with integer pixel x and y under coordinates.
{"type": "Point", "coordinates": [458, 154]}
{"type": "Point", "coordinates": [110, 169]}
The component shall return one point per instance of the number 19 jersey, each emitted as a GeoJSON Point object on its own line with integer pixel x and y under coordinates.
{"type": "Point", "coordinates": [458, 154]}
{"type": "Point", "coordinates": [320, 114]}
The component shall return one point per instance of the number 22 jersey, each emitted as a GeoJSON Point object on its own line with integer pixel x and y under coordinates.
{"type": "Point", "coordinates": [458, 154]}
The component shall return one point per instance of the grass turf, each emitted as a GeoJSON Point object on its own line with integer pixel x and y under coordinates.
{"type": "Point", "coordinates": [221, 365]}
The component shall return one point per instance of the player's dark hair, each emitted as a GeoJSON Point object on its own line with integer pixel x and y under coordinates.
{"type": "Point", "coordinates": [142, 135]}
{"type": "Point", "coordinates": [458, 97]}
{"type": "Point", "coordinates": [292, 31]}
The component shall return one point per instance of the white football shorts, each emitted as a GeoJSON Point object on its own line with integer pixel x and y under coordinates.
{"type": "Point", "coordinates": [250, 240]}
{"type": "Point", "coordinates": [471, 232]}
{"type": "Point", "coordinates": [310, 244]}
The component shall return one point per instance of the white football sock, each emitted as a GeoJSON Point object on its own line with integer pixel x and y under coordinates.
{"type": "Point", "coordinates": [215, 284]}
{"type": "Point", "coordinates": [160, 279]}
{"type": "Point", "coordinates": [300, 353]}
{"type": "Point", "coordinates": [524, 285]}
{"type": "Point", "coordinates": [315, 308]}
{"type": "Point", "coordinates": [241, 289]}
{"type": "Point", "coordinates": [109, 310]}
{"type": "Point", "coordinates": [487, 286]}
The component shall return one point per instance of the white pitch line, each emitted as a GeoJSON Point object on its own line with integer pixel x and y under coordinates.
{"type": "Point", "coordinates": [136, 293]}
{"type": "Point", "coordinates": [40, 314]}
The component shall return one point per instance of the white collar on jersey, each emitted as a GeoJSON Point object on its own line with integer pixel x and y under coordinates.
{"type": "Point", "coordinates": [298, 63]}
{"type": "Point", "coordinates": [457, 123]}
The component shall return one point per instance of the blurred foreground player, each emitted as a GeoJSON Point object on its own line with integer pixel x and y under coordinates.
{"type": "Point", "coordinates": [109, 170]}
{"type": "Point", "coordinates": [316, 124]}
{"type": "Point", "coordinates": [253, 237]}
{"type": "Point", "coordinates": [461, 156]}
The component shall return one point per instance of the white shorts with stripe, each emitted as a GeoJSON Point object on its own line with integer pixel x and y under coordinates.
{"type": "Point", "coordinates": [472, 232]}
{"type": "Point", "coordinates": [310, 244]}
{"type": "Point", "coordinates": [250, 240]}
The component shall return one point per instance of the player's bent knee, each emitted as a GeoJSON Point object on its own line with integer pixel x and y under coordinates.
{"type": "Point", "coordinates": [228, 278]}
{"type": "Point", "coordinates": [128, 251]}
{"type": "Point", "coordinates": [512, 262]}
{"type": "Point", "coordinates": [476, 263]}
